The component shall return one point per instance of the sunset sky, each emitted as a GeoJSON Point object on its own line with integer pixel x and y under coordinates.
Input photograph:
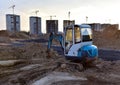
{"type": "Point", "coordinates": [97, 11]}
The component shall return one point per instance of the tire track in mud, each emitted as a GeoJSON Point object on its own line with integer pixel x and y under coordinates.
{"type": "Point", "coordinates": [26, 77]}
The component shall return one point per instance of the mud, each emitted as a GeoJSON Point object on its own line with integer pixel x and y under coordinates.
{"type": "Point", "coordinates": [56, 77]}
{"type": "Point", "coordinates": [35, 65]}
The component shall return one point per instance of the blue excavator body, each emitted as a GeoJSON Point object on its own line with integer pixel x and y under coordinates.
{"type": "Point", "coordinates": [76, 42]}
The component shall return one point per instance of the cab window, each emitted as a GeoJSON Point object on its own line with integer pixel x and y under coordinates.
{"type": "Point", "coordinates": [77, 34]}
{"type": "Point", "coordinates": [68, 39]}
{"type": "Point", "coordinates": [69, 34]}
{"type": "Point", "coordinates": [86, 34]}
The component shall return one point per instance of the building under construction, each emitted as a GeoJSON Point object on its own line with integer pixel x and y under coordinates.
{"type": "Point", "coordinates": [68, 22]}
{"type": "Point", "coordinates": [51, 26]}
{"type": "Point", "coordinates": [35, 25]}
{"type": "Point", "coordinates": [13, 22]}
{"type": "Point", "coordinates": [96, 26]}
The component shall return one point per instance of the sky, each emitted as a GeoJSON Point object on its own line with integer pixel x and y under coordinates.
{"type": "Point", "coordinates": [97, 11]}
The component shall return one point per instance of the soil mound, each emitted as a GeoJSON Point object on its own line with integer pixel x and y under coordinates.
{"type": "Point", "coordinates": [19, 35]}
{"type": "Point", "coordinates": [108, 38]}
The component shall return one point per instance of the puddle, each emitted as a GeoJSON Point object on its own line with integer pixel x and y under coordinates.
{"type": "Point", "coordinates": [55, 77]}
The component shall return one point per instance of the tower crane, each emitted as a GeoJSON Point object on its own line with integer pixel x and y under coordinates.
{"type": "Point", "coordinates": [52, 16]}
{"type": "Point", "coordinates": [13, 7]}
{"type": "Point", "coordinates": [36, 12]}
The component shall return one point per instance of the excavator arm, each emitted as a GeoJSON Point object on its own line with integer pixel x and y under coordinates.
{"type": "Point", "coordinates": [58, 37]}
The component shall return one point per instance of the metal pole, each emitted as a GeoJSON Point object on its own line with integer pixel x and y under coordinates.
{"type": "Point", "coordinates": [50, 17]}
{"type": "Point", "coordinates": [69, 15]}
{"type": "Point", "coordinates": [13, 8]}
{"type": "Point", "coordinates": [36, 12]}
{"type": "Point", "coordinates": [86, 19]}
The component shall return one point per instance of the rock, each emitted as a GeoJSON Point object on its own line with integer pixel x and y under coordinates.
{"type": "Point", "coordinates": [63, 66]}
{"type": "Point", "coordinates": [9, 62]}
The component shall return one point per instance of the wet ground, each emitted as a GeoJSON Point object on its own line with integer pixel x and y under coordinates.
{"type": "Point", "coordinates": [33, 67]}
{"type": "Point", "coordinates": [112, 55]}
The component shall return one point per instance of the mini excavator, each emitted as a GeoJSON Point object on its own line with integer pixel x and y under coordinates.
{"type": "Point", "coordinates": [76, 43]}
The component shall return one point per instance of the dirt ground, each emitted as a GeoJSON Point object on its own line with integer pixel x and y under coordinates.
{"type": "Point", "coordinates": [109, 38]}
{"type": "Point", "coordinates": [34, 64]}
{"type": "Point", "coordinates": [29, 63]}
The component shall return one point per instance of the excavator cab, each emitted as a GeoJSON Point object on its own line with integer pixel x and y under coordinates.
{"type": "Point", "coordinates": [72, 36]}
{"type": "Point", "coordinates": [75, 38]}
{"type": "Point", "coordinates": [78, 33]}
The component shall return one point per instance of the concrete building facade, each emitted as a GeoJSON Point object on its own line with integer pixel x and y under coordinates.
{"type": "Point", "coordinates": [68, 22]}
{"type": "Point", "coordinates": [13, 22]}
{"type": "Point", "coordinates": [101, 27]}
{"type": "Point", "coordinates": [96, 26]}
{"type": "Point", "coordinates": [51, 26]}
{"type": "Point", "coordinates": [35, 25]}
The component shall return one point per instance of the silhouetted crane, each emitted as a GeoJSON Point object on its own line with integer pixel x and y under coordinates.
{"type": "Point", "coordinates": [13, 7]}
{"type": "Point", "coordinates": [36, 12]}
{"type": "Point", "coordinates": [52, 16]}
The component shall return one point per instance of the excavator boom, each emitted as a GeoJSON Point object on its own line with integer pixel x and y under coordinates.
{"type": "Point", "coordinates": [58, 37]}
